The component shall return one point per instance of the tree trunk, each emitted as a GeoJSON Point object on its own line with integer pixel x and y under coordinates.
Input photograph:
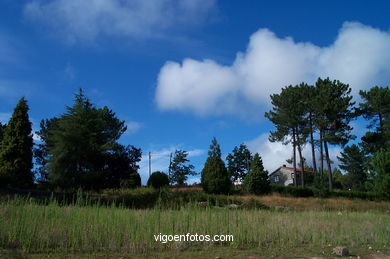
{"type": "Point", "coordinates": [330, 180]}
{"type": "Point", "coordinates": [313, 154]}
{"type": "Point", "coordinates": [321, 154]}
{"type": "Point", "coordinates": [301, 159]}
{"type": "Point", "coordinates": [294, 159]}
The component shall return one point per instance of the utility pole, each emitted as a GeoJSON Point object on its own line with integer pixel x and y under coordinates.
{"type": "Point", "coordinates": [150, 164]}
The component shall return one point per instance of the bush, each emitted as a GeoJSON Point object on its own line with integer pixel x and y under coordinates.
{"type": "Point", "coordinates": [314, 192]}
{"type": "Point", "coordinates": [256, 182]}
{"type": "Point", "coordinates": [134, 181]}
{"type": "Point", "coordinates": [158, 180]}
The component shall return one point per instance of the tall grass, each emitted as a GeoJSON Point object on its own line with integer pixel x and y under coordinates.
{"type": "Point", "coordinates": [32, 227]}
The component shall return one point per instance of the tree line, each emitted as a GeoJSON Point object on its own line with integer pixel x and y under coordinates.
{"type": "Point", "coordinates": [320, 115]}
{"type": "Point", "coordinates": [80, 148]}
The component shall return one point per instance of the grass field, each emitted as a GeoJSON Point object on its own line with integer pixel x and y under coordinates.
{"type": "Point", "coordinates": [31, 228]}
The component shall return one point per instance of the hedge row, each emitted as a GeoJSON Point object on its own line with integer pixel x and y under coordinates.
{"type": "Point", "coordinates": [313, 192]}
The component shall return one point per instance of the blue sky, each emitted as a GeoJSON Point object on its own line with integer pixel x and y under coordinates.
{"type": "Point", "coordinates": [181, 72]}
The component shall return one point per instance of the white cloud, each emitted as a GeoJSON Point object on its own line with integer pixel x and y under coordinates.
{"type": "Point", "coordinates": [359, 56]}
{"type": "Point", "coordinates": [86, 21]}
{"type": "Point", "coordinates": [275, 154]}
{"type": "Point", "coordinates": [160, 160]}
{"type": "Point", "coordinates": [132, 127]}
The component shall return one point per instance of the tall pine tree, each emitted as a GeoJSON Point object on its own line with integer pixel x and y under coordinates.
{"type": "Point", "coordinates": [16, 149]}
{"type": "Point", "coordinates": [376, 108]}
{"type": "Point", "coordinates": [333, 111]}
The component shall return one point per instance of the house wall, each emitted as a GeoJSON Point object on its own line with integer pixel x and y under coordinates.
{"type": "Point", "coordinates": [285, 177]}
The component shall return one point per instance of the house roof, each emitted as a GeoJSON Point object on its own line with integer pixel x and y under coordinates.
{"type": "Point", "coordinates": [291, 169]}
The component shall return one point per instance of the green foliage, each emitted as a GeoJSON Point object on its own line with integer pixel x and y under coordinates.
{"type": "Point", "coordinates": [215, 178]}
{"type": "Point", "coordinates": [256, 181]}
{"type": "Point", "coordinates": [375, 105]}
{"type": "Point", "coordinates": [375, 108]}
{"type": "Point", "coordinates": [158, 179]}
{"type": "Point", "coordinates": [80, 149]}
{"type": "Point", "coordinates": [353, 161]}
{"type": "Point", "coordinates": [2, 128]}
{"type": "Point", "coordinates": [333, 106]}
{"type": "Point", "coordinates": [320, 183]}
{"type": "Point", "coordinates": [16, 149]}
{"type": "Point", "coordinates": [380, 173]}
{"type": "Point", "coordinates": [134, 181]}
{"type": "Point", "coordinates": [179, 170]}
{"type": "Point", "coordinates": [122, 166]}
{"type": "Point", "coordinates": [238, 162]}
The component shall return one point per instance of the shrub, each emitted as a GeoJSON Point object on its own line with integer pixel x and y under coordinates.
{"type": "Point", "coordinates": [134, 181]}
{"type": "Point", "coordinates": [158, 180]}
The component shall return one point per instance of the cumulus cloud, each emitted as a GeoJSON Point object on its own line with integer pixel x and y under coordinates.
{"type": "Point", "coordinates": [86, 21]}
{"type": "Point", "coordinates": [275, 154]}
{"type": "Point", "coordinates": [359, 56]}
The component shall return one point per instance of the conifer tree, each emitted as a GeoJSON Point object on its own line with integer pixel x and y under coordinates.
{"type": "Point", "coordinates": [376, 108]}
{"type": "Point", "coordinates": [288, 116]}
{"type": "Point", "coordinates": [333, 112]}
{"type": "Point", "coordinates": [179, 169]}
{"type": "Point", "coordinates": [353, 161]}
{"type": "Point", "coordinates": [256, 181]}
{"type": "Point", "coordinates": [215, 178]}
{"type": "Point", "coordinates": [239, 162]}
{"type": "Point", "coordinates": [80, 148]}
{"type": "Point", "coordinates": [16, 149]}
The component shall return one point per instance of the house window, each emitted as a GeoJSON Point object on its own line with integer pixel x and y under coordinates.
{"type": "Point", "coordinates": [276, 179]}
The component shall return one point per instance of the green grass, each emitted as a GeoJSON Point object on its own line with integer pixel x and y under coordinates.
{"type": "Point", "coordinates": [33, 228]}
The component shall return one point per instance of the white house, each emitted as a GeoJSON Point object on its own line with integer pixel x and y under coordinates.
{"type": "Point", "coordinates": [285, 176]}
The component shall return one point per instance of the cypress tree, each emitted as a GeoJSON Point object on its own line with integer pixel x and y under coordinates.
{"type": "Point", "coordinates": [215, 177]}
{"type": "Point", "coordinates": [16, 149]}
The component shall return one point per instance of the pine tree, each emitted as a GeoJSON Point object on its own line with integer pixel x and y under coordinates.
{"type": "Point", "coordinates": [256, 181]}
{"type": "Point", "coordinates": [288, 116]}
{"type": "Point", "coordinates": [82, 148]}
{"type": "Point", "coordinates": [16, 149]}
{"type": "Point", "coordinates": [353, 161]}
{"type": "Point", "coordinates": [333, 112]}
{"type": "Point", "coordinates": [179, 169]}
{"type": "Point", "coordinates": [239, 162]}
{"type": "Point", "coordinates": [376, 108]}
{"type": "Point", "coordinates": [215, 178]}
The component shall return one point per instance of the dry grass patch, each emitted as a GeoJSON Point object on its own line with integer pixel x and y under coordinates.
{"type": "Point", "coordinates": [320, 204]}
